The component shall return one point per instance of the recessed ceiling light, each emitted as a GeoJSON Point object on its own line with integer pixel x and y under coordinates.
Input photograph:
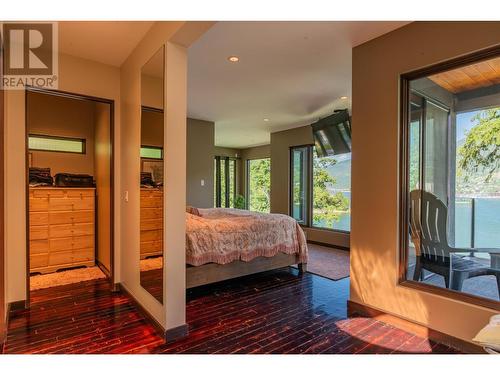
{"type": "Point", "coordinates": [233, 59]}
{"type": "Point", "coordinates": [343, 97]}
{"type": "Point", "coordinates": [266, 119]}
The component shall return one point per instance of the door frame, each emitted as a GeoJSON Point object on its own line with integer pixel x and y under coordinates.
{"type": "Point", "coordinates": [70, 95]}
{"type": "Point", "coordinates": [3, 328]}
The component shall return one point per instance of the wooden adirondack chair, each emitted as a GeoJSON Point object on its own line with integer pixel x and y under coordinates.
{"type": "Point", "coordinates": [428, 224]}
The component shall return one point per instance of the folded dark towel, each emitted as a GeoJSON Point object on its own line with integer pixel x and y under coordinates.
{"type": "Point", "coordinates": [74, 180]}
{"type": "Point", "coordinates": [147, 179]}
{"type": "Point", "coordinates": [40, 177]}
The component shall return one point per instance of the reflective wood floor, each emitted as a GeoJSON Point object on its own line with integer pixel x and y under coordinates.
{"type": "Point", "coordinates": [272, 312]}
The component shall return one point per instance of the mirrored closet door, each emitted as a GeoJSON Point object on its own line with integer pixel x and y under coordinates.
{"type": "Point", "coordinates": [151, 181]}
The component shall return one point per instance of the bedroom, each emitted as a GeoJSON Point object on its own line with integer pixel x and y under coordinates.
{"type": "Point", "coordinates": [188, 138]}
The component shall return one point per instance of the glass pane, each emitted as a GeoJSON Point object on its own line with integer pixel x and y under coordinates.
{"type": "Point", "coordinates": [259, 185]}
{"type": "Point", "coordinates": [223, 182]}
{"type": "Point", "coordinates": [56, 144]}
{"type": "Point", "coordinates": [454, 220]}
{"type": "Point", "coordinates": [151, 153]}
{"type": "Point", "coordinates": [232, 182]}
{"type": "Point", "coordinates": [299, 183]}
{"type": "Point", "coordinates": [215, 182]}
{"type": "Point", "coordinates": [332, 192]}
{"type": "Point", "coordinates": [436, 146]}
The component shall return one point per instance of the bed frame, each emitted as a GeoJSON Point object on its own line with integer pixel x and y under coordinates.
{"type": "Point", "coordinates": [212, 272]}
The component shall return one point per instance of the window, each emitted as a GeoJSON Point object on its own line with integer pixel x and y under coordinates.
{"type": "Point", "coordinates": [151, 152]}
{"type": "Point", "coordinates": [299, 179]}
{"type": "Point", "coordinates": [225, 181]}
{"type": "Point", "coordinates": [259, 184]}
{"type": "Point", "coordinates": [332, 192]}
{"type": "Point", "coordinates": [56, 144]}
{"type": "Point", "coordinates": [320, 189]}
{"type": "Point", "coordinates": [451, 181]}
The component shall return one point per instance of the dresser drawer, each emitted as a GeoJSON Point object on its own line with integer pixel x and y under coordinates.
{"type": "Point", "coordinates": [151, 235]}
{"type": "Point", "coordinates": [83, 255]}
{"type": "Point", "coordinates": [151, 224]}
{"type": "Point", "coordinates": [71, 204]}
{"type": "Point", "coordinates": [71, 243]}
{"type": "Point", "coordinates": [39, 246]}
{"type": "Point", "coordinates": [71, 256]}
{"type": "Point", "coordinates": [79, 193]}
{"type": "Point", "coordinates": [151, 202]}
{"type": "Point", "coordinates": [151, 213]}
{"type": "Point", "coordinates": [39, 232]}
{"type": "Point", "coordinates": [67, 217]}
{"type": "Point", "coordinates": [39, 260]}
{"type": "Point", "coordinates": [45, 193]}
{"type": "Point", "coordinates": [60, 258]}
{"type": "Point", "coordinates": [39, 204]}
{"type": "Point", "coordinates": [71, 230]}
{"type": "Point", "coordinates": [151, 247]}
{"type": "Point", "coordinates": [39, 218]}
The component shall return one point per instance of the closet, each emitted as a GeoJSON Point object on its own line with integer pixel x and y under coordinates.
{"type": "Point", "coordinates": [69, 173]}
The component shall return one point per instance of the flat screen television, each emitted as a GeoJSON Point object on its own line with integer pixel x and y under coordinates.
{"type": "Point", "coordinates": [332, 134]}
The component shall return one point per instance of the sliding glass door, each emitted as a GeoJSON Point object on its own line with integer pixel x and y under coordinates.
{"type": "Point", "coordinates": [225, 181]}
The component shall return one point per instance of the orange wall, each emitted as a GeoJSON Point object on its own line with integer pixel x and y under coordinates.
{"type": "Point", "coordinates": [76, 76]}
{"type": "Point", "coordinates": [63, 117]}
{"type": "Point", "coordinates": [176, 36]}
{"type": "Point", "coordinates": [375, 122]}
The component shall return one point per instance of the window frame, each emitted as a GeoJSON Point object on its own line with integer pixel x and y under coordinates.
{"type": "Point", "coordinates": [308, 221]}
{"type": "Point", "coordinates": [404, 175]}
{"type": "Point", "coordinates": [218, 183]}
{"type": "Point", "coordinates": [307, 210]}
{"type": "Point", "coordinates": [83, 141]}
{"type": "Point", "coordinates": [153, 148]}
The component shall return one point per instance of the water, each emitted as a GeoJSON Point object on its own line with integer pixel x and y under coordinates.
{"type": "Point", "coordinates": [487, 222]}
{"type": "Point", "coordinates": [487, 226]}
{"type": "Point", "coordinates": [344, 222]}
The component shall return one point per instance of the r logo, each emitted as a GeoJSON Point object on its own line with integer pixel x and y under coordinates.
{"type": "Point", "coordinates": [28, 49]}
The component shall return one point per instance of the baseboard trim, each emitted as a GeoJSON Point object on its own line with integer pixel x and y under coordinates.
{"type": "Point", "coordinates": [413, 327]}
{"type": "Point", "coordinates": [176, 333]}
{"type": "Point", "coordinates": [17, 306]}
{"type": "Point", "coordinates": [329, 245]}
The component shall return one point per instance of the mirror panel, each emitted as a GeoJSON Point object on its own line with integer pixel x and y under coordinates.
{"type": "Point", "coordinates": [151, 154]}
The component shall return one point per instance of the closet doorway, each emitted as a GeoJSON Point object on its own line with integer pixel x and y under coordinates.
{"type": "Point", "coordinates": [70, 189]}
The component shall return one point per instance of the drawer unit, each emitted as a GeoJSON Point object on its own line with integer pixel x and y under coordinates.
{"type": "Point", "coordinates": [62, 228]}
{"type": "Point", "coordinates": [151, 222]}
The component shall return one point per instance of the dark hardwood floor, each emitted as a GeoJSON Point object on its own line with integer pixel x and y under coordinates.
{"type": "Point", "coordinates": [272, 312]}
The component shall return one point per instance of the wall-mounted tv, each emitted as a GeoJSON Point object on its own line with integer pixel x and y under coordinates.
{"type": "Point", "coordinates": [332, 134]}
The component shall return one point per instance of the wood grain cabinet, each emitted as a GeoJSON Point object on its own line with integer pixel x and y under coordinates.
{"type": "Point", "coordinates": [151, 222]}
{"type": "Point", "coordinates": [62, 228]}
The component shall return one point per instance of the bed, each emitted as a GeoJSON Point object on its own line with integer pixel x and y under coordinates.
{"type": "Point", "coordinates": [226, 243]}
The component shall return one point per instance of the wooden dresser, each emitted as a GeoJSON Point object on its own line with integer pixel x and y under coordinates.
{"type": "Point", "coordinates": [62, 228]}
{"type": "Point", "coordinates": [151, 222]}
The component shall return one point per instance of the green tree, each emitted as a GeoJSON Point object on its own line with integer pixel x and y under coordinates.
{"type": "Point", "coordinates": [327, 206]}
{"type": "Point", "coordinates": [481, 150]}
{"type": "Point", "coordinates": [260, 185]}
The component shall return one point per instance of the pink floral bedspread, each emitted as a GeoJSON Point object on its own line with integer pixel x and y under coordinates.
{"type": "Point", "coordinates": [221, 235]}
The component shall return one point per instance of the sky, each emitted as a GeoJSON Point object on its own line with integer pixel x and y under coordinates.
{"type": "Point", "coordinates": [464, 123]}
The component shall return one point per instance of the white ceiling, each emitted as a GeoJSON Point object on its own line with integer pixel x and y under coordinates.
{"type": "Point", "coordinates": [289, 72]}
{"type": "Point", "coordinates": [106, 42]}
